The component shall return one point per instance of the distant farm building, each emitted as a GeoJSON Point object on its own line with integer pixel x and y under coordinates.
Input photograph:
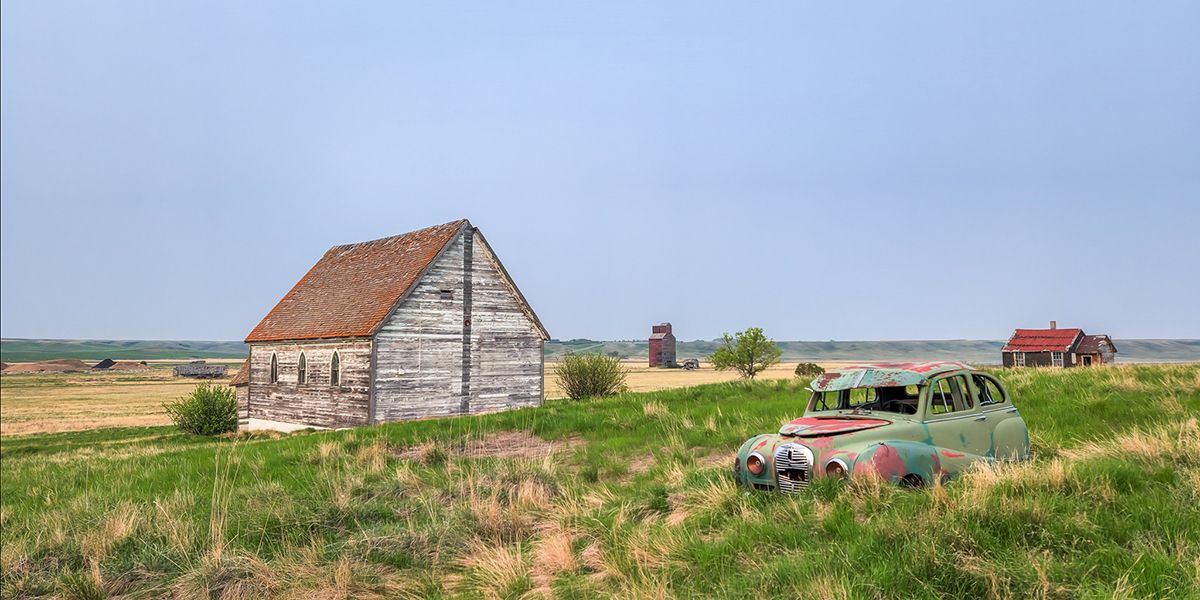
{"type": "Point", "coordinates": [1056, 347]}
{"type": "Point", "coordinates": [241, 389]}
{"type": "Point", "coordinates": [199, 370]}
{"type": "Point", "coordinates": [104, 364]}
{"type": "Point", "coordinates": [662, 346]}
{"type": "Point", "coordinates": [424, 324]}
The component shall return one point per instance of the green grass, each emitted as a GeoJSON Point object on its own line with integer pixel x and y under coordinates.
{"type": "Point", "coordinates": [636, 502]}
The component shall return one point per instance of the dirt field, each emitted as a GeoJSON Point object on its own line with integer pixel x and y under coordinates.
{"type": "Point", "coordinates": [645, 379]}
{"type": "Point", "coordinates": [41, 403]}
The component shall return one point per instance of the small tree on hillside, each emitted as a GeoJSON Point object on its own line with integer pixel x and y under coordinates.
{"type": "Point", "coordinates": [748, 352]}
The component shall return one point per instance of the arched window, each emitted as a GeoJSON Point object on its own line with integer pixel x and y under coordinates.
{"type": "Point", "coordinates": [335, 369]}
{"type": "Point", "coordinates": [301, 370]}
{"type": "Point", "coordinates": [274, 368]}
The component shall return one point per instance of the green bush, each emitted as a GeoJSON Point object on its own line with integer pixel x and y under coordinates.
{"type": "Point", "coordinates": [586, 375]}
{"type": "Point", "coordinates": [208, 410]}
{"type": "Point", "coordinates": [809, 371]}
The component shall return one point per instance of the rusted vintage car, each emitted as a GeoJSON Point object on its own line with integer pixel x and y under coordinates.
{"type": "Point", "coordinates": [912, 423]}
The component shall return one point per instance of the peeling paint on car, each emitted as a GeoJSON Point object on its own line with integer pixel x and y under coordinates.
{"type": "Point", "coordinates": [896, 446]}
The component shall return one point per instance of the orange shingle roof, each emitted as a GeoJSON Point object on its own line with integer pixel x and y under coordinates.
{"type": "Point", "coordinates": [351, 290]}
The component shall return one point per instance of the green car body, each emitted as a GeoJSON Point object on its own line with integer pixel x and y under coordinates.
{"type": "Point", "coordinates": [904, 422]}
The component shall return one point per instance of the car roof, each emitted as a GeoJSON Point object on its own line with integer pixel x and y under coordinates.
{"type": "Point", "coordinates": [882, 375]}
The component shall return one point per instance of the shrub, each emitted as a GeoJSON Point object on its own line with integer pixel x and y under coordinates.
{"type": "Point", "coordinates": [208, 410]}
{"type": "Point", "coordinates": [809, 371]}
{"type": "Point", "coordinates": [585, 375]}
{"type": "Point", "coordinates": [748, 352]}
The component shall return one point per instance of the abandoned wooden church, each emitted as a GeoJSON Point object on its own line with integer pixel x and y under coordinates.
{"type": "Point", "coordinates": [423, 324]}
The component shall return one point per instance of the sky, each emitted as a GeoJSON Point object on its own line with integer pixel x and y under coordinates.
{"type": "Point", "coordinates": [849, 171]}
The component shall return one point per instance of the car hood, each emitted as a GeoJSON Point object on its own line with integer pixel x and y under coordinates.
{"type": "Point", "coordinates": [823, 426]}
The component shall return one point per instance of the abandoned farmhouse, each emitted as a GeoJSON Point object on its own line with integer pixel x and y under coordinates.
{"type": "Point", "coordinates": [1056, 347]}
{"type": "Point", "coordinates": [424, 324]}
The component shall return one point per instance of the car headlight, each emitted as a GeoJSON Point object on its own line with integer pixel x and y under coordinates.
{"type": "Point", "coordinates": [837, 468]}
{"type": "Point", "coordinates": [756, 464]}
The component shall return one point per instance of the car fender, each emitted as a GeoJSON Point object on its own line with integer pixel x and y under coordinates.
{"type": "Point", "coordinates": [1011, 439]}
{"type": "Point", "coordinates": [892, 460]}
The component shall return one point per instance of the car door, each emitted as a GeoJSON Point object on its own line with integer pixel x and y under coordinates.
{"type": "Point", "coordinates": [956, 425]}
{"type": "Point", "coordinates": [1010, 438]}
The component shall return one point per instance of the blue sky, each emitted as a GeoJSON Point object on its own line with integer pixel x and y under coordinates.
{"type": "Point", "coordinates": [823, 170]}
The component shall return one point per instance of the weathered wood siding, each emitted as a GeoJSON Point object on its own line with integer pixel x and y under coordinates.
{"type": "Point", "coordinates": [506, 347]}
{"type": "Point", "coordinates": [315, 402]}
{"type": "Point", "coordinates": [419, 349]}
{"type": "Point", "coordinates": [242, 393]}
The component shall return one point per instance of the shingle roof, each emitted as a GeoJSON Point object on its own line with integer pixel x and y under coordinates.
{"type": "Point", "coordinates": [1042, 340]}
{"type": "Point", "coordinates": [1090, 344]}
{"type": "Point", "coordinates": [353, 288]}
{"type": "Point", "coordinates": [243, 374]}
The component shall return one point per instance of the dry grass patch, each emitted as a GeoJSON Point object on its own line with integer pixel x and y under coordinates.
{"type": "Point", "coordinates": [503, 444]}
{"type": "Point", "coordinates": [494, 570]}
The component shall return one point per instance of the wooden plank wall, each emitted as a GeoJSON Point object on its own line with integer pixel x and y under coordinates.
{"type": "Point", "coordinates": [418, 354]}
{"type": "Point", "coordinates": [506, 347]}
{"type": "Point", "coordinates": [316, 402]}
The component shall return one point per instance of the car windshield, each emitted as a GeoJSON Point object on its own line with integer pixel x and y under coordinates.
{"type": "Point", "coordinates": [897, 399]}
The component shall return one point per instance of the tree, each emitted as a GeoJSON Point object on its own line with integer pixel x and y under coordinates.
{"type": "Point", "coordinates": [748, 352]}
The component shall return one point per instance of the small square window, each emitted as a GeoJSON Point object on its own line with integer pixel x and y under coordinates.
{"type": "Point", "coordinates": [447, 294]}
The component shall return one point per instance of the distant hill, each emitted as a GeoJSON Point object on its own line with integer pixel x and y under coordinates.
{"type": "Point", "coordinates": [975, 351]}
{"type": "Point", "coordinates": [23, 350]}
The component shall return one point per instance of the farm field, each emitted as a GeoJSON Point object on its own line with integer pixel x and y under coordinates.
{"type": "Point", "coordinates": [46, 403]}
{"type": "Point", "coordinates": [625, 497]}
{"type": "Point", "coordinates": [53, 402]}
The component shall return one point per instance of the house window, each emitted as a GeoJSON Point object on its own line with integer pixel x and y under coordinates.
{"type": "Point", "coordinates": [274, 368]}
{"type": "Point", "coordinates": [447, 294]}
{"type": "Point", "coordinates": [1018, 359]}
{"type": "Point", "coordinates": [301, 370]}
{"type": "Point", "coordinates": [1056, 359]}
{"type": "Point", "coordinates": [335, 370]}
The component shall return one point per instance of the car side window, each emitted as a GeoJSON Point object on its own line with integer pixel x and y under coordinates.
{"type": "Point", "coordinates": [950, 394]}
{"type": "Point", "coordinates": [989, 391]}
{"type": "Point", "coordinates": [941, 397]}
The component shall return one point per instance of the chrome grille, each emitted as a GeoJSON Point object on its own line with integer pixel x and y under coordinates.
{"type": "Point", "coordinates": [793, 467]}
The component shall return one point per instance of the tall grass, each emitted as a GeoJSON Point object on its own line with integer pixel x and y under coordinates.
{"type": "Point", "coordinates": [635, 501]}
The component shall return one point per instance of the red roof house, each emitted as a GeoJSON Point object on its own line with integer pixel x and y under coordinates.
{"type": "Point", "coordinates": [1054, 347]}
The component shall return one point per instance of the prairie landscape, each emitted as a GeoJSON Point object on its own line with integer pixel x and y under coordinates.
{"type": "Point", "coordinates": [628, 496]}
{"type": "Point", "coordinates": [44, 403]}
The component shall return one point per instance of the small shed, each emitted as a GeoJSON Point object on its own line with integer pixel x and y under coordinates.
{"type": "Point", "coordinates": [662, 346]}
{"type": "Point", "coordinates": [241, 390]}
{"type": "Point", "coordinates": [104, 364]}
{"type": "Point", "coordinates": [1094, 350]}
{"type": "Point", "coordinates": [199, 370]}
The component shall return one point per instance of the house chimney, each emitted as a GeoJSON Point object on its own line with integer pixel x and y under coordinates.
{"type": "Point", "coordinates": [1053, 324]}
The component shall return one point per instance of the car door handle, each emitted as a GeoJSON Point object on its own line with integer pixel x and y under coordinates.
{"type": "Point", "coordinates": [981, 418]}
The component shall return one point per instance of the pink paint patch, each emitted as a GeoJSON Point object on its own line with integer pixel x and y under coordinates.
{"type": "Point", "coordinates": [823, 426]}
{"type": "Point", "coordinates": [885, 462]}
{"type": "Point", "coordinates": [949, 454]}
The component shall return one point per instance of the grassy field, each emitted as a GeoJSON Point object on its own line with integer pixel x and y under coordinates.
{"type": "Point", "coordinates": [77, 401]}
{"type": "Point", "coordinates": [627, 497]}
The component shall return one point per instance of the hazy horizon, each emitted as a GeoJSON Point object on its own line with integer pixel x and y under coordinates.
{"type": "Point", "coordinates": [867, 172]}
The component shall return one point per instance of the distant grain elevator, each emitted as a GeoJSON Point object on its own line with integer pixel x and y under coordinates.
{"type": "Point", "coordinates": [424, 324]}
{"type": "Point", "coordinates": [662, 346]}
